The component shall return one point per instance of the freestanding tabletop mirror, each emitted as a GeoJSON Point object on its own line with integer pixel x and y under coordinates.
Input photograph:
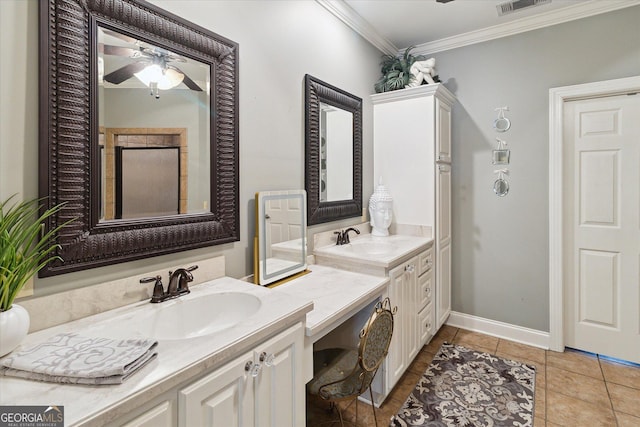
{"type": "Point", "coordinates": [280, 246]}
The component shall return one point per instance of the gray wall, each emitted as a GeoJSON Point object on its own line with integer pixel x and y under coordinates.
{"type": "Point", "coordinates": [280, 41]}
{"type": "Point", "coordinates": [500, 245]}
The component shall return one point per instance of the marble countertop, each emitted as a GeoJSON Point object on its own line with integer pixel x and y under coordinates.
{"type": "Point", "coordinates": [336, 294]}
{"type": "Point", "coordinates": [177, 361]}
{"type": "Point", "coordinates": [368, 250]}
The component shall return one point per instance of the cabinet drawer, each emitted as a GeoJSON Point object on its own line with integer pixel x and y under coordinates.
{"type": "Point", "coordinates": [425, 290]}
{"type": "Point", "coordinates": [425, 261]}
{"type": "Point", "coordinates": [425, 328]}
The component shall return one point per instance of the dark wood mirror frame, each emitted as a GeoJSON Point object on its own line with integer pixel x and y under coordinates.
{"type": "Point", "coordinates": [69, 153]}
{"type": "Point", "coordinates": [317, 91]}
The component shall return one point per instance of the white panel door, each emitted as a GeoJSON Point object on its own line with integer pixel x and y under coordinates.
{"type": "Point", "coordinates": [602, 226]}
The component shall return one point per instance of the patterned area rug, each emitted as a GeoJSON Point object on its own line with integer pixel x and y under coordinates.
{"type": "Point", "coordinates": [464, 387]}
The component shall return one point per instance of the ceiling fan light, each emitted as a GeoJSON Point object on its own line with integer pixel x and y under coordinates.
{"type": "Point", "coordinates": [149, 74]}
{"type": "Point", "coordinates": [170, 79]}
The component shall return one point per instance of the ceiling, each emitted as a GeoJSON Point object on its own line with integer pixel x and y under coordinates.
{"type": "Point", "coordinates": [393, 25]}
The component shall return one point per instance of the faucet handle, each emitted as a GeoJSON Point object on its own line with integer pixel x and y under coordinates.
{"type": "Point", "coordinates": [158, 289]}
{"type": "Point", "coordinates": [193, 267]}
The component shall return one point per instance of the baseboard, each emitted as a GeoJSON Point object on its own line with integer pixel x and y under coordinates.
{"type": "Point", "coordinates": [494, 328]}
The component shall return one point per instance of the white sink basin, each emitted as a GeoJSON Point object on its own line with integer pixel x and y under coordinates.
{"type": "Point", "coordinates": [181, 318]}
{"type": "Point", "coordinates": [371, 248]}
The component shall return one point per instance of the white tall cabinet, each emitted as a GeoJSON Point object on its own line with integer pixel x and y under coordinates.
{"type": "Point", "coordinates": [412, 156]}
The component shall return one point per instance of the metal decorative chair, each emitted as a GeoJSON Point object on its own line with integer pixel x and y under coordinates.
{"type": "Point", "coordinates": [346, 374]}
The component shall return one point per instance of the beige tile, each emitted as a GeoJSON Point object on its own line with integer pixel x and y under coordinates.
{"type": "Point", "coordinates": [625, 399]}
{"type": "Point", "coordinates": [403, 388]}
{"type": "Point", "coordinates": [577, 385]}
{"type": "Point", "coordinates": [476, 341]}
{"type": "Point", "coordinates": [445, 334]}
{"type": "Point", "coordinates": [540, 403]}
{"type": "Point", "coordinates": [568, 411]}
{"type": "Point", "coordinates": [621, 374]}
{"type": "Point", "coordinates": [522, 351]}
{"type": "Point", "coordinates": [626, 420]}
{"type": "Point", "coordinates": [539, 422]}
{"type": "Point", "coordinates": [421, 362]}
{"type": "Point", "coordinates": [550, 424]}
{"type": "Point", "coordinates": [575, 361]}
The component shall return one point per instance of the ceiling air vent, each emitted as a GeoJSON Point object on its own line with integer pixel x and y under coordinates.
{"type": "Point", "coordinates": [516, 5]}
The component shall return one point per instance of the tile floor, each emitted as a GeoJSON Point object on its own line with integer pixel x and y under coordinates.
{"type": "Point", "coordinates": [573, 389]}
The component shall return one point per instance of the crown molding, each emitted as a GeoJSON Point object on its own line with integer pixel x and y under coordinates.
{"type": "Point", "coordinates": [534, 22]}
{"type": "Point", "coordinates": [558, 16]}
{"type": "Point", "coordinates": [350, 17]}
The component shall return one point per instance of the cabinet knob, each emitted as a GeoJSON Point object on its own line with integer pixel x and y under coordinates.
{"type": "Point", "coordinates": [428, 325]}
{"type": "Point", "coordinates": [410, 268]}
{"type": "Point", "coordinates": [253, 368]}
{"type": "Point", "coordinates": [267, 359]}
{"type": "Point", "coordinates": [428, 291]}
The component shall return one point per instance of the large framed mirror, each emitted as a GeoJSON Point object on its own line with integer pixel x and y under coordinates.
{"type": "Point", "coordinates": [138, 132]}
{"type": "Point", "coordinates": [333, 152]}
{"type": "Point", "coordinates": [280, 245]}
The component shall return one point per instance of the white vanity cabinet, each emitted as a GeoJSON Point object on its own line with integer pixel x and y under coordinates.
{"type": "Point", "coordinates": [264, 387]}
{"type": "Point", "coordinates": [410, 289]}
{"type": "Point", "coordinates": [412, 156]}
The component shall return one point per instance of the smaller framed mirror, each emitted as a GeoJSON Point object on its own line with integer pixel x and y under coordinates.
{"type": "Point", "coordinates": [280, 245]}
{"type": "Point", "coordinates": [333, 152]}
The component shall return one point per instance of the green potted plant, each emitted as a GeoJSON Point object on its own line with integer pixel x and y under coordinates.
{"type": "Point", "coordinates": [396, 71]}
{"type": "Point", "coordinates": [24, 250]}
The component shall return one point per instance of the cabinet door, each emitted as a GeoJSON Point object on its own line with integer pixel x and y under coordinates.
{"type": "Point", "coordinates": [412, 302]}
{"type": "Point", "coordinates": [396, 361]}
{"type": "Point", "coordinates": [224, 398]}
{"type": "Point", "coordinates": [443, 132]}
{"type": "Point", "coordinates": [443, 293]}
{"type": "Point", "coordinates": [280, 392]}
{"type": "Point", "coordinates": [160, 412]}
{"type": "Point", "coordinates": [443, 244]}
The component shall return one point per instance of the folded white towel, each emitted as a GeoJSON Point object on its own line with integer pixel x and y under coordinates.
{"type": "Point", "coordinates": [73, 358]}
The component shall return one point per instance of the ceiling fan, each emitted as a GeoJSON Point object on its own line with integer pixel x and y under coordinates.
{"type": "Point", "coordinates": [152, 65]}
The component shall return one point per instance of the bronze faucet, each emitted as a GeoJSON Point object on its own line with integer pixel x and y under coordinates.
{"type": "Point", "coordinates": [178, 284]}
{"type": "Point", "coordinates": [343, 236]}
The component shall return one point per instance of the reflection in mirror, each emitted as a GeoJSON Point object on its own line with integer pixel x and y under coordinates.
{"type": "Point", "coordinates": [333, 152]}
{"type": "Point", "coordinates": [154, 103]}
{"type": "Point", "coordinates": [280, 245]}
{"type": "Point", "coordinates": [336, 153]}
